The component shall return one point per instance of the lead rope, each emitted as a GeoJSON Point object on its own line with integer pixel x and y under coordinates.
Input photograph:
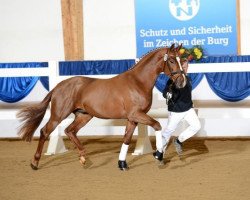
{"type": "Point", "coordinates": [169, 94]}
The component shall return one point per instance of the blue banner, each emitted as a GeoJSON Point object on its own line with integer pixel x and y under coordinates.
{"type": "Point", "coordinates": [210, 24]}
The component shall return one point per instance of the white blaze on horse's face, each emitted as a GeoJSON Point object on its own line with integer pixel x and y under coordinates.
{"type": "Point", "coordinates": [165, 57]}
{"type": "Point", "coordinates": [184, 77]}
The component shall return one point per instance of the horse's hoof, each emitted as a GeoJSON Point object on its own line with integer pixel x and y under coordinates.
{"type": "Point", "coordinates": [82, 160]}
{"type": "Point", "coordinates": [158, 156]}
{"type": "Point", "coordinates": [34, 167]}
{"type": "Point", "coordinates": [123, 165]}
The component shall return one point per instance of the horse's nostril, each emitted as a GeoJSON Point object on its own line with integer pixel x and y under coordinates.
{"type": "Point", "coordinates": [180, 82]}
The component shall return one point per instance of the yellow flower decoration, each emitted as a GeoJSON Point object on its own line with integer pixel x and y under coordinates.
{"type": "Point", "coordinates": [182, 51]}
{"type": "Point", "coordinates": [196, 50]}
{"type": "Point", "coordinates": [194, 53]}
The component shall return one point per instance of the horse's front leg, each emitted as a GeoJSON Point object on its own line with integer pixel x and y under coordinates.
{"type": "Point", "coordinates": [141, 117]}
{"type": "Point", "coordinates": [130, 127]}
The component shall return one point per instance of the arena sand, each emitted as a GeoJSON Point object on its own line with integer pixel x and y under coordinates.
{"type": "Point", "coordinates": [215, 169]}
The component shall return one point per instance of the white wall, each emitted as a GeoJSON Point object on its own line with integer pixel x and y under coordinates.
{"type": "Point", "coordinates": [30, 30]}
{"type": "Point", "coordinates": [109, 29]}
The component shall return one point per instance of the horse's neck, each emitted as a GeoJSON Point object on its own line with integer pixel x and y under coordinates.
{"type": "Point", "coordinates": [147, 72]}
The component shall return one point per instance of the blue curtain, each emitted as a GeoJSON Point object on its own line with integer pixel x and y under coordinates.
{"type": "Point", "coordinates": [228, 86]}
{"type": "Point", "coordinates": [95, 67]}
{"type": "Point", "coordinates": [224, 59]}
{"type": "Point", "coordinates": [45, 82]}
{"type": "Point", "coordinates": [13, 89]}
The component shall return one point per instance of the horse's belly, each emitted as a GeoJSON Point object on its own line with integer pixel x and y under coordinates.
{"type": "Point", "coordinates": [110, 110]}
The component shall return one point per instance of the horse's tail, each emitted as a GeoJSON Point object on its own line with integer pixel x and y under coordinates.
{"type": "Point", "coordinates": [32, 116]}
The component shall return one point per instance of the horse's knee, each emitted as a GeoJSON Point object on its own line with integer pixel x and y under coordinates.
{"type": "Point", "coordinates": [157, 126]}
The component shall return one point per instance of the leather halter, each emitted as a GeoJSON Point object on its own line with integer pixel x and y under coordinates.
{"type": "Point", "coordinates": [173, 73]}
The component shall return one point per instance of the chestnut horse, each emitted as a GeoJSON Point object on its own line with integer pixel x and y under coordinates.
{"type": "Point", "coordinates": [125, 96]}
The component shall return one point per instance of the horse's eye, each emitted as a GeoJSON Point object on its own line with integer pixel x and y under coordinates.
{"type": "Point", "coordinates": [171, 60]}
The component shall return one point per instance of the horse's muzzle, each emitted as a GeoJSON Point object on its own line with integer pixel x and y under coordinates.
{"type": "Point", "coordinates": [181, 81]}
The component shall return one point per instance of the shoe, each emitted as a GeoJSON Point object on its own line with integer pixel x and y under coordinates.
{"type": "Point", "coordinates": [158, 155]}
{"type": "Point", "coordinates": [178, 146]}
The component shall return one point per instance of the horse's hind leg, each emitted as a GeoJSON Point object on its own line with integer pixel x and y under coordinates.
{"type": "Point", "coordinates": [71, 131]}
{"type": "Point", "coordinates": [130, 128]}
{"type": "Point", "coordinates": [44, 134]}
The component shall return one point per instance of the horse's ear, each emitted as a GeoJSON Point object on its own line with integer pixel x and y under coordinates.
{"type": "Point", "coordinates": [178, 48]}
{"type": "Point", "coordinates": [172, 47]}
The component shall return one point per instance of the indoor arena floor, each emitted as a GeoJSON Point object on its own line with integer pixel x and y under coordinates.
{"type": "Point", "coordinates": [215, 169]}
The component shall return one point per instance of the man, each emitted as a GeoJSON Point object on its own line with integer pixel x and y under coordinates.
{"type": "Point", "coordinates": [180, 106]}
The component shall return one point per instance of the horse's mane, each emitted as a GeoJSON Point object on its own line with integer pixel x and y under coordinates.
{"type": "Point", "coordinates": [144, 55]}
{"type": "Point", "coordinates": [151, 51]}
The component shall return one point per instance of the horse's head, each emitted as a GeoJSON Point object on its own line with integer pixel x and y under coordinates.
{"type": "Point", "coordinates": [174, 66]}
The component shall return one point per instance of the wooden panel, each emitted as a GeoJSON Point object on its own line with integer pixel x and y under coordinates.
{"type": "Point", "coordinates": [238, 27]}
{"type": "Point", "coordinates": [72, 20]}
